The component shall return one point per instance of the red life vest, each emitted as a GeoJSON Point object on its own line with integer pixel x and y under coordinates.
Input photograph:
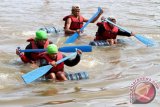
{"type": "Point", "coordinates": [59, 67]}
{"type": "Point", "coordinates": [35, 56]}
{"type": "Point", "coordinates": [76, 23]}
{"type": "Point", "coordinates": [108, 33]}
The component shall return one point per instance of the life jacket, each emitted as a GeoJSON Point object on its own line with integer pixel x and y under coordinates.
{"type": "Point", "coordinates": [59, 67]}
{"type": "Point", "coordinates": [76, 23]}
{"type": "Point", "coordinates": [35, 56]}
{"type": "Point", "coordinates": [108, 33]}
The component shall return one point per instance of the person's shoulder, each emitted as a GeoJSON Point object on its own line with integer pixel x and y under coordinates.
{"type": "Point", "coordinates": [62, 54]}
{"type": "Point", "coordinates": [99, 23]}
{"type": "Point", "coordinates": [50, 42]}
{"type": "Point", "coordinates": [30, 39]}
{"type": "Point", "coordinates": [29, 46]}
{"type": "Point", "coordinates": [43, 54]}
{"type": "Point", "coordinates": [66, 17]}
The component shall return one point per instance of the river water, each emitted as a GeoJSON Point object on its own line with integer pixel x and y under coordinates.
{"type": "Point", "coordinates": [111, 70]}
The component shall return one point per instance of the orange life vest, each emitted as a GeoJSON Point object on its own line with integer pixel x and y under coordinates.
{"type": "Point", "coordinates": [108, 33]}
{"type": "Point", "coordinates": [76, 23]}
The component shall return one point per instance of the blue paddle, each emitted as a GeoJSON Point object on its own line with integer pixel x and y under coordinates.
{"type": "Point", "coordinates": [83, 48]}
{"type": "Point", "coordinates": [141, 38]}
{"type": "Point", "coordinates": [37, 73]}
{"type": "Point", "coordinates": [73, 38]}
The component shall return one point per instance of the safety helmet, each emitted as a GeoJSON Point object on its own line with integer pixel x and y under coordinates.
{"type": "Point", "coordinates": [52, 48]}
{"type": "Point", "coordinates": [41, 35]}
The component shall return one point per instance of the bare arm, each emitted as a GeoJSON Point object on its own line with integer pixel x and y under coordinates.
{"type": "Point", "coordinates": [67, 27]}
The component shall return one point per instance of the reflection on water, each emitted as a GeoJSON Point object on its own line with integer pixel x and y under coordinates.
{"type": "Point", "coordinates": [111, 69]}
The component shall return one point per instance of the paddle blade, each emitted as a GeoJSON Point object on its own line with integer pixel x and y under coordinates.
{"type": "Point", "coordinates": [85, 48]}
{"type": "Point", "coordinates": [92, 18]}
{"type": "Point", "coordinates": [72, 38]}
{"type": "Point", "coordinates": [35, 74]}
{"type": "Point", "coordinates": [145, 40]}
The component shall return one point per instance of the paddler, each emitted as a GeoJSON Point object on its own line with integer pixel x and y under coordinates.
{"type": "Point", "coordinates": [51, 56]}
{"type": "Point", "coordinates": [109, 32]}
{"type": "Point", "coordinates": [39, 42]}
{"type": "Point", "coordinates": [74, 21]}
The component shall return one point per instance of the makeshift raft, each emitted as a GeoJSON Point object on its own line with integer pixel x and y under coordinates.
{"type": "Point", "coordinates": [104, 43]}
{"type": "Point", "coordinates": [71, 76]}
{"type": "Point", "coordinates": [51, 29]}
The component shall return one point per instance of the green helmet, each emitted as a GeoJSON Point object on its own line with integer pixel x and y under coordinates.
{"type": "Point", "coordinates": [41, 35]}
{"type": "Point", "coordinates": [52, 48]}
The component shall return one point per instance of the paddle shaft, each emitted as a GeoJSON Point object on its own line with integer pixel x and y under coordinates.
{"type": "Point", "coordinates": [83, 48]}
{"type": "Point", "coordinates": [117, 26]}
{"type": "Point", "coordinates": [91, 19]}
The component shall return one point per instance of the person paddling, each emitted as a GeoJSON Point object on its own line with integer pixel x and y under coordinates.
{"type": "Point", "coordinates": [109, 32]}
{"type": "Point", "coordinates": [74, 22]}
{"type": "Point", "coordinates": [51, 56]}
{"type": "Point", "coordinates": [39, 42]}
